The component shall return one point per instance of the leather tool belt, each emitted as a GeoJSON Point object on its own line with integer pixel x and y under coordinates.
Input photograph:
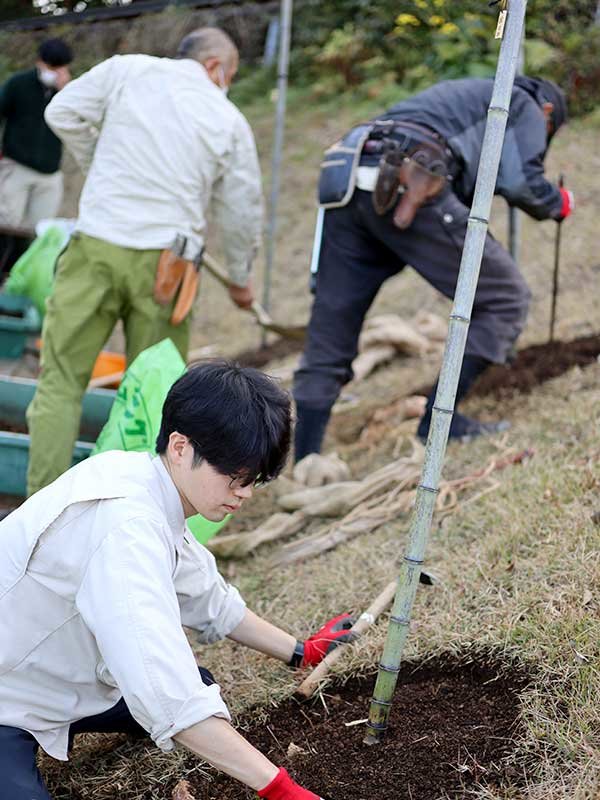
{"type": "Point", "coordinates": [394, 142]}
{"type": "Point", "coordinates": [177, 277]}
{"type": "Point", "coordinates": [415, 165]}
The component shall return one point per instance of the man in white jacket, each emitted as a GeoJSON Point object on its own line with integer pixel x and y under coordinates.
{"type": "Point", "coordinates": [159, 143]}
{"type": "Point", "coordinates": [98, 574]}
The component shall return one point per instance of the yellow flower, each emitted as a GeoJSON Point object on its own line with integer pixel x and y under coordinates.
{"type": "Point", "coordinates": [407, 19]}
{"type": "Point", "coordinates": [448, 28]}
{"type": "Point", "coordinates": [421, 3]}
{"type": "Point", "coordinates": [439, 3]}
{"type": "Point", "coordinates": [435, 19]}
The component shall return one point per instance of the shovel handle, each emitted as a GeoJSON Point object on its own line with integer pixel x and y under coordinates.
{"type": "Point", "coordinates": [217, 271]}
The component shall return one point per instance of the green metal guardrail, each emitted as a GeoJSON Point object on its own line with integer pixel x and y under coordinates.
{"type": "Point", "coordinates": [17, 393]}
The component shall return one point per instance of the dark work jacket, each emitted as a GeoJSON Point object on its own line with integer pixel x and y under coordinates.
{"type": "Point", "coordinates": [27, 139]}
{"type": "Point", "coordinates": [457, 110]}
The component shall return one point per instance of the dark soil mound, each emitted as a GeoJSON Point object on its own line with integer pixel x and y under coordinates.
{"type": "Point", "coordinates": [260, 357]}
{"type": "Point", "coordinates": [537, 364]}
{"type": "Point", "coordinates": [450, 728]}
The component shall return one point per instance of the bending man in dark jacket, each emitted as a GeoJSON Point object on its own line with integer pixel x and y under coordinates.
{"type": "Point", "coordinates": [370, 235]}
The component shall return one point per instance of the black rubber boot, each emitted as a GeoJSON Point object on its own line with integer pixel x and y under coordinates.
{"type": "Point", "coordinates": [310, 430]}
{"type": "Point", "coordinates": [463, 427]}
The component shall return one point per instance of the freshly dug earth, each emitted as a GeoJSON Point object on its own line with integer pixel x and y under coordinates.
{"type": "Point", "coordinates": [260, 357]}
{"type": "Point", "coordinates": [451, 728]}
{"type": "Point", "coordinates": [536, 364]}
{"type": "Point", "coordinates": [532, 366]}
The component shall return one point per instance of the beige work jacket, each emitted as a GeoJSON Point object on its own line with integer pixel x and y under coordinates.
{"type": "Point", "coordinates": [97, 575]}
{"type": "Point", "coordinates": [160, 143]}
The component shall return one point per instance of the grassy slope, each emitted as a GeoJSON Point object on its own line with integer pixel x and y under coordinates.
{"type": "Point", "coordinates": [519, 567]}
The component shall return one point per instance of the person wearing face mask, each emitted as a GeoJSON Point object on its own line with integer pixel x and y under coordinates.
{"type": "Point", "coordinates": [99, 572]}
{"type": "Point", "coordinates": [160, 145]}
{"type": "Point", "coordinates": [31, 183]}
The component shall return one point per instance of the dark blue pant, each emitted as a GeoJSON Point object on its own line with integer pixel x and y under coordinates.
{"type": "Point", "coordinates": [361, 250]}
{"type": "Point", "coordinates": [20, 778]}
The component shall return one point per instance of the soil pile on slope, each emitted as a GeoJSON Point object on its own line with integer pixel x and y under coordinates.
{"type": "Point", "coordinates": [450, 728]}
{"type": "Point", "coordinates": [260, 357]}
{"type": "Point", "coordinates": [536, 364]}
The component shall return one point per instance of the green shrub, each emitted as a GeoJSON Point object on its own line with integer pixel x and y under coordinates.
{"type": "Point", "coordinates": [352, 44]}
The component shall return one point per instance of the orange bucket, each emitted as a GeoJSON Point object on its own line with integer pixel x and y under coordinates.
{"type": "Point", "coordinates": [108, 364]}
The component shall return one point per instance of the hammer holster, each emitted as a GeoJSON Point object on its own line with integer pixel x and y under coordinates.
{"type": "Point", "coordinates": [170, 271]}
{"type": "Point", "coordinates": [385, 193]}
{"type": "Point", "coordinates": [399, 144]}
{"type": "Point", "coordinates": [188, 290]}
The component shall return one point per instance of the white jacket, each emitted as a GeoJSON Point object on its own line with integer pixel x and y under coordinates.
{"type": "Point", "coordinates": [97, 576]}
{"type": "Point", "coordinates": [159, 142]}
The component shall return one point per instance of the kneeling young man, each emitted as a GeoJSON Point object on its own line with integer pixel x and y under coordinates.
{"type": "Point", "coordinates": [98, 573]}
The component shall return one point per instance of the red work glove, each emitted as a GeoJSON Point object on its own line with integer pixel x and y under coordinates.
{"type": "Point", "coordinates": [568, 203]}
{"type": "Point", "coordinates": [282, 787]}
{"type": "Point", "coordinates": [327, 638]}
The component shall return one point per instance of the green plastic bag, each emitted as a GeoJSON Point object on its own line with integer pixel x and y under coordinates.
{"type": "Point", "coordinates": [32, 275]}
{"type": "Point", "coordinates": [134, 419]}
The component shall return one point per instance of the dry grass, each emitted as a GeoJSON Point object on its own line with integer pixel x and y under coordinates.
{"type": "Point", "coordinates": [519, 568]}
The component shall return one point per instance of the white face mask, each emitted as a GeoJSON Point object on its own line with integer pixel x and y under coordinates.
{"type": "Point", "coordinates": [48, 77]}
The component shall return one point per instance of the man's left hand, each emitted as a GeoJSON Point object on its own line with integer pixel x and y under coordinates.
{"type": "Point", "coordinates": [242, 296]}
{"type": "Point", "coordinates": [336, 631]}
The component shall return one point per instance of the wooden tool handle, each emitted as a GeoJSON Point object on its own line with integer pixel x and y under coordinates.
{"type": "Point", "coordinates": [312, 682]}
{"type": "Point", "coordinates": [216, 270]}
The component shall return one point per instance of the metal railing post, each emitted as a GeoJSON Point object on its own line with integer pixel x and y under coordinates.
{"type": "Point", "coordinates": [282, 80]}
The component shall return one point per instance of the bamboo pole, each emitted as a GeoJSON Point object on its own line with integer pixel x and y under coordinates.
{"type": "Point", "coordinates": [514, 215]}
{"type": "Point", "coordinates": [443, 408]}
{"type": "Point", "coordinates": [282, 81]}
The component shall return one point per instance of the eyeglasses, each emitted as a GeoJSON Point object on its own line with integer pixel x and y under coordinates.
{"type": "Point", "coordinates": [237, 481]}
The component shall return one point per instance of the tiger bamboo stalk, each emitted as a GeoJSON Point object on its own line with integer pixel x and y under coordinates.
{"type": "Point", "coordinates": [514, 215]}
{"type": "Point", "coordinates": [443, 408]}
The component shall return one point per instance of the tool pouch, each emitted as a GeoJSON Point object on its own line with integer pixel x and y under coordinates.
{"type": "Point", "coordinates": [410, 174]}
{"type": "Point", "coordinates": [385, 193]}
{"type": "Point", "coordinates": [187, 292]}
{"type": "Point", "coordinates": [338, 168]}
{"type": "Point", "coordinates": [170, 272]}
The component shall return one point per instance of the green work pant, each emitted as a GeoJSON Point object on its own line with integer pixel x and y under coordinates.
{"type": "Point", "coordinates": [96, 284]}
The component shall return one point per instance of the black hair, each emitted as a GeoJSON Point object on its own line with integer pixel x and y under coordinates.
{"type": "Point", "coordinates": [55, 53]}
{"type": "Point", "coordinates": [237, 418]}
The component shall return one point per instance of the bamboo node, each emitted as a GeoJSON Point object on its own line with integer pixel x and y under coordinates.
{"type": "Point", "coordinates": [394, 670]}
{"type": "Point", "coordinates": [380, 702]}
{"type": "Point", "coordinates": [428, 488]}
{"type": "Point", "coordinates": [459, 317]}
{"type": "Point", "coordinates": [400, 621]}
{"type": "Point", "coordinates": [377, 726]}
